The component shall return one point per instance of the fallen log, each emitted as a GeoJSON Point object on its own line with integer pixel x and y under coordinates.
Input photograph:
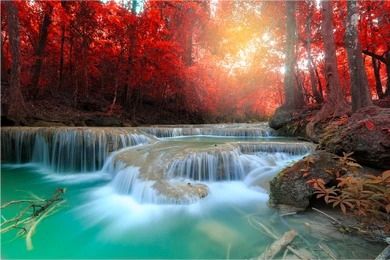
{"type": "Point", "coordinates": [278, 245]}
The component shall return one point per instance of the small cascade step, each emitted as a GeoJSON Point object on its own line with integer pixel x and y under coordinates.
{"type": "Point", "coordinates": [293, 148]}
{"type": "Point", "coordinates": [174, 172]}
{"type": "Point", "coordinates": [234, 130]}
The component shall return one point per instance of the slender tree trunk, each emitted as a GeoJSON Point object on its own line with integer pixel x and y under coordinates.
{"type": "Point", "coordinates": [61, 57]}
{"type": "Point", "coordinates": [130, 90]}
{"type": "Point", "coordinates": [313, 81]}
{"type": "Point", "coordinates": [335, 103]}
{"type": "Point", "coordinates": [188, 48]}
{"type": "Point", "coordinates": [16, 106]}
{"type": "Point", "coordinates": [84, 69]}
{"type": "Point", "coordinates": [292, 99]}
{"type": "Point", "coordinates": [71, 69]}
{"type": "Point", "coordinates": [116, 84]}
{"type": "Point", "coordinates": [376, 65]}
{"type": "Point", "coordinates": [43, 33]}
{"type": "Point", "coordinates": [361, 96]}
{"type": "Point", "coordinates": [387, 59]}
{"type": "Point", "coordinates": [4, 65]}
{"type": "Point", "coordinates": [320, 90]}
{"type": "Point", "coordinates": [187, 43]}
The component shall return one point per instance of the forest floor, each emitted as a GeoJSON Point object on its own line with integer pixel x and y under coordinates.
{"type": "Point", "coordinates": [60, 111]}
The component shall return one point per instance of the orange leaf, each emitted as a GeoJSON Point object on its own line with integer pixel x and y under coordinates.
{"type": "Point", "coordinates": [343, 209]}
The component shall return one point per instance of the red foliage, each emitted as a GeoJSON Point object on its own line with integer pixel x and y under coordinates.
{"type": "Point", "coordinates": [223, 59]}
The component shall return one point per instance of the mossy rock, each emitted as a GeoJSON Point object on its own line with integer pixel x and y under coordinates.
{"type": "Point", "coordinates": [366, 134]}
{"type": "Point", "coordinates": [290, 187]}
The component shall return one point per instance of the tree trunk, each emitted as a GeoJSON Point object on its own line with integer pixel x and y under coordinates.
{"type": "Point", "coordinates": [60, 76]}
{"type": "Point", "coordinates": [335, 103]}
{"type": "Point", "coordinates": [70, 62]}
{"type": "Point", "coordinates": [313, 81]}
{"type": "Point", "coordinates": [84, 69]}
{"type": "Point", "coordinates": [359, 84]}
{"type": "Point", "coordinates": [378, 83]}
{"type": "Point", "coordinates": [292, 99]}
{"type": "Point", "coordinates": [133, 41]}
{"type": "Point", "coordinates": [320, 90]}
{"type": "Point", "coordinates": [43, 33]}
{"type": "Point", "coordinates": [16, 106]}
{"type": "Point", "coordinates": [4, 65]}
{"type": "Point", "coordinates": [188, 48]}
{"type": "Point", "coordinates": [387, 59]}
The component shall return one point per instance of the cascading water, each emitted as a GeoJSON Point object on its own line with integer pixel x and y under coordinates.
{"type": "Point", "coordinates": [224, 165]}
{"type": "Point", "coordinates": [181, 173]}
{"type": "Point", "coordinates": [66, 149]}
{"type": "Point", "coordinates": [166, 191]}
{"type": "Point", "coordinates": [236, 130]}
{"type": "Point", "coordinates": [291, 148]}
{"type": "Point", "coordinates": [169, 171]}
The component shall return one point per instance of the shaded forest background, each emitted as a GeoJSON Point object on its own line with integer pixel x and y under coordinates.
{"type": "Point", "coordinates": [142, 62]}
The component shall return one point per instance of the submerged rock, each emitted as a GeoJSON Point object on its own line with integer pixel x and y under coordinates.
{"type": "Point", "coordinates": [366, 134]}
{"type": "Point", "coordinates": [290, 187]}
{"type": "Point", "coordinates": [180, 192]}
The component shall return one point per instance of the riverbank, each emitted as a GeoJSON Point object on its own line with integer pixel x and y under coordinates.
{"type": "Point", "coordinates": [57, 111]}
{"type": "Point", "coordinates": [348, 170]}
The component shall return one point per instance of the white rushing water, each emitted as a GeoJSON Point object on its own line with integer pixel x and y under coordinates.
{"type": "Point", "coordinates": [150, 177]}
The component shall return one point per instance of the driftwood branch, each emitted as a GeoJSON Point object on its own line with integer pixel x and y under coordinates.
{"type": "Point", "coordinates": [278, 245]}
{"type": "Point", "coordinates": [267, 231]}
{"type": "Point", "coordinates": [384, 255]}
{"type": "Point", "coordinates": [27, 220]}
{"type": "Point", "coordinates": [327, 215]}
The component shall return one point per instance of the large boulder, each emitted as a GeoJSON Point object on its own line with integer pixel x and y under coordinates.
{"type": "Point", "coordinates": [292, 122]}
{"type": "Point", "coordinates": [290, 187]}
{"type": "Point", "coordinates": [366, 133]}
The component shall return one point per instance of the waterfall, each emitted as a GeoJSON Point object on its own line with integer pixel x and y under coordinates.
{"type": "Point", "coordinates": [292, 148]}
{"type": "Point", "coordinates": [232, 164]}
{"type": "Point", "coordinates": [236, 130]}
{"type": "Point", "coordinates": [70, 149]}
{"type": "Point", "coordinates": [160, 171]}
{"type": "Point", "coordinates": [205, 166]}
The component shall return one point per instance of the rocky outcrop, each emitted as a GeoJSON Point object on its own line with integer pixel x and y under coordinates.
{"type": "Point", "coordinates": [292, 122]}
{"type": "Point", "coordinates": [290, 187]}
{"type": "Point", "coordinates": [366, 133]}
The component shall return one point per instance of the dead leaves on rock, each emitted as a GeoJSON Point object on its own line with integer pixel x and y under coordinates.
{"type": "Point", "coordinates": [367, 198]}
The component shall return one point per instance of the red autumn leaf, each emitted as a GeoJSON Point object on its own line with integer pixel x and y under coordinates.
{"type": "Point", "coordinates": [369, 124]}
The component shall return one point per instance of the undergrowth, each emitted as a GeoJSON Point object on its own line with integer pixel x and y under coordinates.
{"type": "Point", "coordinates": [365, 197]}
